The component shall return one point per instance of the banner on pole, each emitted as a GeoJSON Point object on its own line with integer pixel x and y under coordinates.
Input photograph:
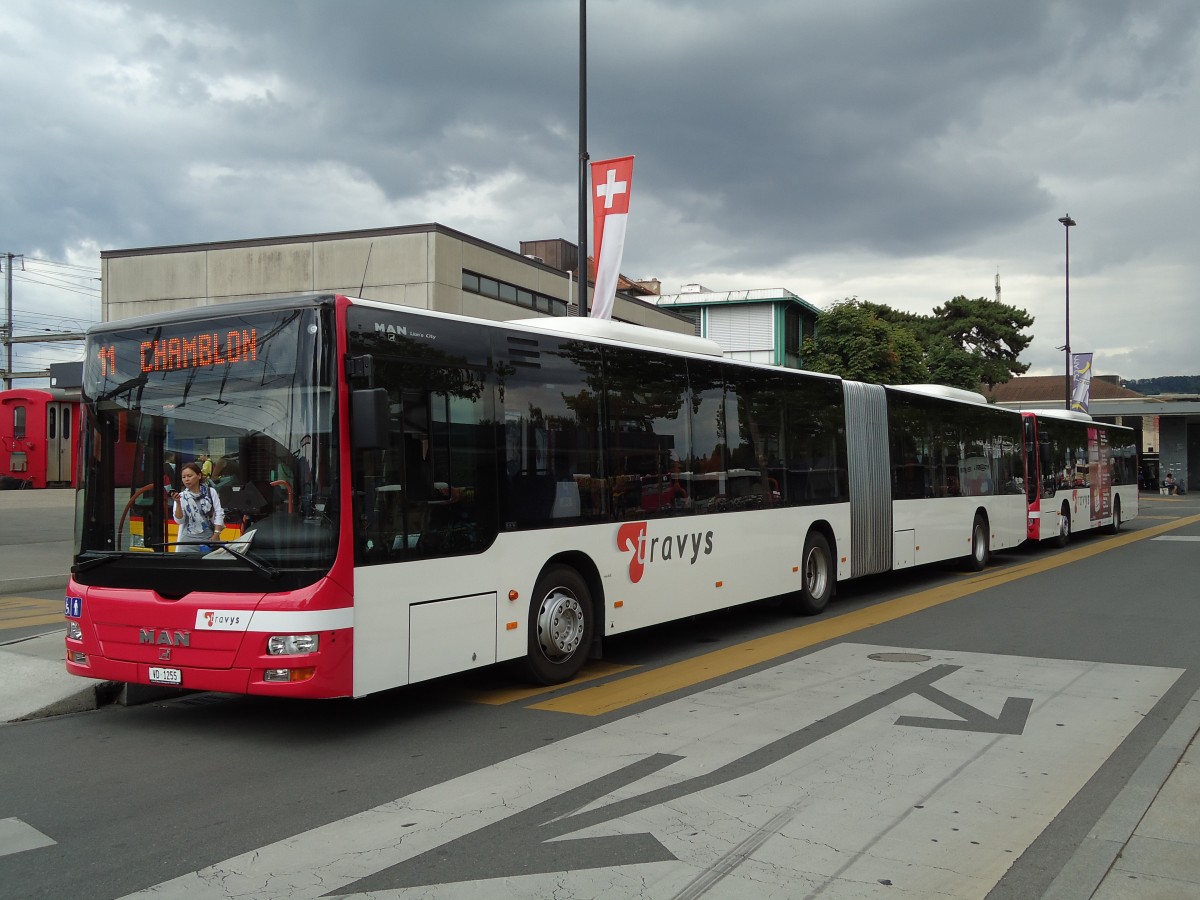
{"type": "Point", "coordinates": [1081, 381]}
{"type": "Point", "coordinates": [612, 180]}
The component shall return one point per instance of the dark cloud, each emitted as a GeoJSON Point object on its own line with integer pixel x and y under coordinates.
{"type": "Point", "coordinates": [794, 143]}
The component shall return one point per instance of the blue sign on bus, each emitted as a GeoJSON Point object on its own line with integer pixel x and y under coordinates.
{"type": "Point", "coordinates": [73, 608]}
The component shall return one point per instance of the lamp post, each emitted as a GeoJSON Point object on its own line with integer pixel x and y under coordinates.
{"type": "Point", "coordinates": [1067, 222]}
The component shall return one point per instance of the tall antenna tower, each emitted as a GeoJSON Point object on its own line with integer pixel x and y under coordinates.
{"type": "Point", "coordinates": [997, 285]}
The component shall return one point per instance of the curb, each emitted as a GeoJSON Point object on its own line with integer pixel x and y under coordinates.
{"type": "Point", "coordinates": [36, 583]}
{"type": "Point", "coordinates": [90, 697]}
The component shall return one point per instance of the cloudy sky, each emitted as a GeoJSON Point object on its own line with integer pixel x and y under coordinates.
{"type": "Point", "coordinates": [899, 151]}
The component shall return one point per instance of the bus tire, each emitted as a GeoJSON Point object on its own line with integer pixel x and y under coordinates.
{"type": "Point", "coordinates": [981, 546]}
{"type": "Point", "coordinates": [561, 626]}
{"type": "Point", "coordinates": [1064, 527]}
{"type": "Point", "coordinates": [817, 571]}
{"type": "Point", "coordinates": [1115, 525]}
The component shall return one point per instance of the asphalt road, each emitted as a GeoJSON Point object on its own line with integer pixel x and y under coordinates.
{"type": "Point", "coordinates": [932, 731]}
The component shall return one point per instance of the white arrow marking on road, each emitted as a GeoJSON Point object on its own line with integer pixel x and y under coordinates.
{"type": "Point", "coordinates": [843, 803]}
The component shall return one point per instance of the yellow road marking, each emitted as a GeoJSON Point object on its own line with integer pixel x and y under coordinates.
{"type": "Point", "coordinates": [624, 692]}
{"type": "Point", "coordinates": [23, 611]}
{"type": "Point", "coordinates": [31, 620]}
{"type": "Point", "coordinates": [19, 612]}
{"type": "Point", "coordinates": [499, 696]}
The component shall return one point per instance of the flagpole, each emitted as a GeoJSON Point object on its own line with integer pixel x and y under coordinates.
{"type": "Point", "coordinates": [581, 264]}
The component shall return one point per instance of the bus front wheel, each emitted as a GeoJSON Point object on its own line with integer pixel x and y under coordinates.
{"type": "Point", "coordinates": [561, 625]}
{"type": "Point", "coordinates": [817, 572]}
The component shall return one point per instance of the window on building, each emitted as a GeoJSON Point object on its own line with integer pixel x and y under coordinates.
{"type": "Point", "coordinates": [511, 293]}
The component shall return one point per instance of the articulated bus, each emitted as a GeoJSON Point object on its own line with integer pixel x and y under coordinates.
{"type": "Point", "coordinates": [1081, 475]}
{"type": "Point", "coordinates": [410, 494]}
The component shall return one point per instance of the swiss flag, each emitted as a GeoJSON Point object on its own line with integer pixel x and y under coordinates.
{"type": "Point", "coordinates": [612, 180]}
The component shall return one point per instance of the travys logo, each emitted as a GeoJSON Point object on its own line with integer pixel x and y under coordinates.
{"type": "Point", "coordinates": [633, 537]}
{"type": "Point", "coordinates": [222, 619]}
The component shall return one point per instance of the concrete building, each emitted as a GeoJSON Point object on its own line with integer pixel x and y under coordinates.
{"type": "Point", "coordinates": [765, 326]}
{"type": "Point", "coordinates": [424, 266]}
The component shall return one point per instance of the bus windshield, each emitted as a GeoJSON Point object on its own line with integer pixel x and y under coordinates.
{"type": "Point", "coordinates": [247, 397]}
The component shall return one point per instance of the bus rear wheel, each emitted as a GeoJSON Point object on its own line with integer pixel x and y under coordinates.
{"type": "Point", "coordinates": [561, 626]}
{"type": "Point", "coordinates": [1064, 527]}
{"type": "Point", "coordinates": [1115, 525]}
{"type": "Point", "coordinates": [981, 547]}
{"type": "Point", "coordinates": [817, 572]}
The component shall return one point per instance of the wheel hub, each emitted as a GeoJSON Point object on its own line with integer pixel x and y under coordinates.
{"type": "Point", "coordinates": [560, 624]}
{"type": "Point", "coordinates": [815, 573]}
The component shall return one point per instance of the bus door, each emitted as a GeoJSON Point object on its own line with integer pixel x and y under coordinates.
{"type": "Point", "coordinates": [1032, 468]}
{"type": "Point", "coordinates": [60, 441]}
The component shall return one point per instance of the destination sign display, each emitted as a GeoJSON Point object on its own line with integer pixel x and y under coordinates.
{"type": "Point", "coordinates": [193, 351]}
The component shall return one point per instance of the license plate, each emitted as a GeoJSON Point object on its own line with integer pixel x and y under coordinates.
{"type": "Point", "coordinates": [166, 676]}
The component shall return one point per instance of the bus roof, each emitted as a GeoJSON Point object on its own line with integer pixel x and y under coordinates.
{"type": "Point", "coordinates": [941, 390]}
{"type": "Point", "coordinates": [578, 326]}
{"type": "Point", "coordinates": [1073, 415]}
{"type": "Point", "coordinates": [213, 311]}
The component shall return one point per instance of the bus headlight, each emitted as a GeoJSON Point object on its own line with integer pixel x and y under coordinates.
{"type": "Point", "coordinates": [74, 632]}
{"type": "Point", "coordinates": [291, 644]}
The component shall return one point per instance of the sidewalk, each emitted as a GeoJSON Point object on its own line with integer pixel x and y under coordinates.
{"type": "Point", "coordinates": [34, 682]}
{"type": "Point", "coordinates": [36, 543]}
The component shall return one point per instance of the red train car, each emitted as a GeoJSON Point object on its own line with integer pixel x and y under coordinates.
{"type": "Point", "coordinates": [39, 438]}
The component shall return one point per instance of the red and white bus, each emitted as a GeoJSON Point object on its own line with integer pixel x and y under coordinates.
{"type": "Point", "coordinates": [1082, 474]}
{"type": "Point", "coordinates": [409, 494]}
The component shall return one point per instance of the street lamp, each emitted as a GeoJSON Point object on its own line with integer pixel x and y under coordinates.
{"type": "Point", "coordinates": [1067, 222]}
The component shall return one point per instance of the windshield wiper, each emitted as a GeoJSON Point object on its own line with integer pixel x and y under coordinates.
{"type": "Point", "coordinates": [228, 547]}
{"type": "Point", "coordinates": [106, 556]}
{"type": "Point", "coordinates": [245, 556]}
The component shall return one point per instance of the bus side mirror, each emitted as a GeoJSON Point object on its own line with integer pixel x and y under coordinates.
{"type": "Point", "coordinates": [369, 419]}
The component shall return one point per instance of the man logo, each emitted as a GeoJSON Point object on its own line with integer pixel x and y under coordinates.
{"type": "Point", "coordinates": [391, 330]}
{"type": "Point", "coordinates": [164, 637]}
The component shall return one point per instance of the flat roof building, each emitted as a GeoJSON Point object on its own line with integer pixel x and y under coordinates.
{"type": "Point", "coordinates": [765, 326]}
{"type": "Point", "coordinates": [425, 266]}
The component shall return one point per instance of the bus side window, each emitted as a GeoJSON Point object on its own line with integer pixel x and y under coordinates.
{"type": "Point", "coordinates": [1046, 461]}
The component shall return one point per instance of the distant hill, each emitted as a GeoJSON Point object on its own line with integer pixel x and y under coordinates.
{"type": "Point", "coordinates": [1165, 384]}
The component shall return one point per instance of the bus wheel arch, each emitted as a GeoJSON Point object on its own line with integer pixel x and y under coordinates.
{"type": "Point", "coordinates": [981, 543]}
{"type": "Point", "coordinates": [565, 617]}
{"type": "Point", "coordinates": [818, 572]}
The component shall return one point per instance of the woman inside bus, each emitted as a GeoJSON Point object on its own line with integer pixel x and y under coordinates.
{"type": "Point", "coordinates": [197, 510]}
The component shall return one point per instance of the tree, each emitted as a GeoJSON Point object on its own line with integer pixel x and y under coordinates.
{"type": "Point", "coordinates": [965, 343]}
{"type": "Point", "coordinates": [854, 341]}
{"type": "Point", "coordinates": [988, 330]}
